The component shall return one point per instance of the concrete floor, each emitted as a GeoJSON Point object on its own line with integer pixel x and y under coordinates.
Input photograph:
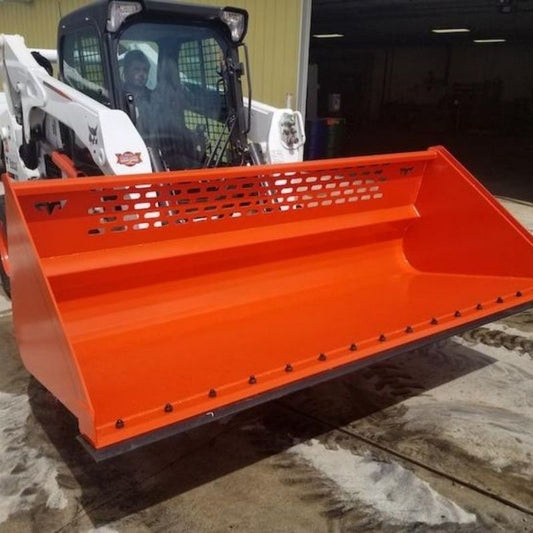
{"type": "Point", "coordinates": [437, 439]}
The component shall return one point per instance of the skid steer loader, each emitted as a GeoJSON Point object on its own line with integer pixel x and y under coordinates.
{"type": "Point", "coordinates": [190, 265]}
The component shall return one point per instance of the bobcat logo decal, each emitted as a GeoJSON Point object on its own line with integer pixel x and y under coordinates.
{"type": "Point", "coordinates": [93, 134]}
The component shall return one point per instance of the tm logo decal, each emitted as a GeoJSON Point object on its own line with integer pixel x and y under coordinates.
{"type": "Point", "coordinates": [50, 207]}
{"type": "Point", "coordinates": [130, 159]}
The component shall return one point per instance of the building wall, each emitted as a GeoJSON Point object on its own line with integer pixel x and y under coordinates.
{"type": "Point", "coordinates": [273, 37]}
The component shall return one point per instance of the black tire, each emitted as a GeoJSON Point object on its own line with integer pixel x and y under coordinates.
{"type": "Point", "coordinates": [4, 278]}
{"type": "Point", "coordinates": [2, 161]}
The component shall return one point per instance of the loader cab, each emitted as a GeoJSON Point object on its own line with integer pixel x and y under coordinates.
{"type": "Point", "coordinates": [173, 68]}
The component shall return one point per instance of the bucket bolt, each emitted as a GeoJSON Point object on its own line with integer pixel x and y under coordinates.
{"type": "Point", "coordinates": [322, 357]}
{"type": "Point", "coordinates": [353, 347]}
{"type": "Point", "coordinates": [434, 321]}
{"type": "Point", "coordinates": [119, 424]}
{"type": "Point", "coordinates": [518, 294]}
{"type": "Point", "coordinates": [288, 368]}
{"type": "Point", "coordinates": [457, 314]}
{"type": "Point", "coordinates": [252, 380]}
{"type": "Point", "coordinates": [382, 338]}
{"type": "Point", "coordinates": [479, 307]}
{"type": "Point", "coordinates": [168, 408]}
{"type": "Point", "coordinates": [212, 393]}
{"type": "Point", "coordinates": [409, 329]}
{"type": "Point", "coordinates": [499, 300]}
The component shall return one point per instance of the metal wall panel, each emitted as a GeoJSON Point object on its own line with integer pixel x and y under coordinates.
{"type": "Point", "coordinates": [273, 37]}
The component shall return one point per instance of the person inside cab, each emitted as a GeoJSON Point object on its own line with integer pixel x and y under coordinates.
{"type": "Point", "coordinates": [159, 113]}
{"type": "Point", "coordinates": [136, 71]}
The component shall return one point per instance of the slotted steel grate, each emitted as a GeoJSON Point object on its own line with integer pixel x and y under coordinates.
{"type": "Point", "coordinates": [203, 203]}
{"type": "Point", "coordinates": [140, 207]}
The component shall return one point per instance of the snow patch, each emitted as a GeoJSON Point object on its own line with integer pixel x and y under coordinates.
{"type": "Point", "coordinates": [487, 412]}
{"type": "Point", "coordinates": [387, 487]}
{"type": "Point", "coordinates": [522, 211]}
{"type": "Point", "coordinates": [24, 473]}
{"type": "Point", "coordinates": [504, 328]}
{"type": "Point", "coordinates": [5, 303]}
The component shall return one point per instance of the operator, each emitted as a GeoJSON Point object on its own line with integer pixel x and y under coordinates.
{"type": "Point", "coordinates": [136, 70]}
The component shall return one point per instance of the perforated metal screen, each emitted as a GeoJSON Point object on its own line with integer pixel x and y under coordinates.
{"type": "Point", "coordinates": [203, 202]}
{"type": "Point", "coordinates": [157, 205]}
{"type": "Point", "coordinates": [201, 64]}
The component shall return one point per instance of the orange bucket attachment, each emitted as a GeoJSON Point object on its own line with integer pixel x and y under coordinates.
{"type": "Point", "coordinates": [149, 304]}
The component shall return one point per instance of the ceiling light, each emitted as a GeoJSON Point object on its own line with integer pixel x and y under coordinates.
{"type": "Point", "coordinates": [483, 41]}
{"type": "Point", "coordinates": [450, 30]}
{"type": "Point", "coordinates": [328, 35]}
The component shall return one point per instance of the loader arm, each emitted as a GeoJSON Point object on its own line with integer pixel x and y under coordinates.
{"type": "Point", "coordinates": [34, 97]}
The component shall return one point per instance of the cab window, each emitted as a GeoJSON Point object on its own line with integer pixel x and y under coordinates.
{"type": "Point", "coordinates": [82, 66]}
{"type": "Point", "coordinates": [175, 80]}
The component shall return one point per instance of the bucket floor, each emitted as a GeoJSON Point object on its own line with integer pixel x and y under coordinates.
{"type": "Point", "coordinates": [178, 339]}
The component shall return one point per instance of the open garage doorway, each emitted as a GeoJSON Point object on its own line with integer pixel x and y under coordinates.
{"type": "Point", "coordinates": [397, 75]}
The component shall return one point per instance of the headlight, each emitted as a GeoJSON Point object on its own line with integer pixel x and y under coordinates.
{"type": "Point", "coordinates": [119, 11]}
{"type": "Point", "coordinates": [237, 21]}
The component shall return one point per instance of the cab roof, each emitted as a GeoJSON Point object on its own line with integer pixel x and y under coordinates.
{"type": "Point", "coordinates": [97, 12]}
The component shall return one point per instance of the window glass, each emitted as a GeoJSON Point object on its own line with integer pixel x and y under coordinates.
{"type": "Point", "coordinates": [82, 64]}
{"type": "Point", "coordinates": [150, 51]}
{"type": "Point", "coordinates": [201, 65]}
{"type": "Point", "coordinates": [175, 80]}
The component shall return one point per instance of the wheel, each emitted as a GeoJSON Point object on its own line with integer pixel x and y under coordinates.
{"type": "Point", "coordinates": [4, 277]}
{"type": "Point", "coordinates": [2, 160]}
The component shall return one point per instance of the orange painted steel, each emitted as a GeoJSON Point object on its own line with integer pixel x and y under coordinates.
{"type": "Point", "coordinates": [4, 259]}
{"type": "Point", "coordinates": [145, 301]}
{"type": "Point", "coordinates": [66, 165]}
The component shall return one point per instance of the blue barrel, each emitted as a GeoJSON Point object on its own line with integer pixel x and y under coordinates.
{"type": "Point", "coordinates": [316, 135]}
{"type": "Point", "coordinates": [335, 133]}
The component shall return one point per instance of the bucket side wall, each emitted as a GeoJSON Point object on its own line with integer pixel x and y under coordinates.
{"type": "Point", "coordinates": [462, 229]}
{"type": "Point", "coordinates": [43, 346]}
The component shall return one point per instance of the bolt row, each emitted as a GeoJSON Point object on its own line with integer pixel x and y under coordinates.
{"type": "Point", "coordinates": [252, 380]}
